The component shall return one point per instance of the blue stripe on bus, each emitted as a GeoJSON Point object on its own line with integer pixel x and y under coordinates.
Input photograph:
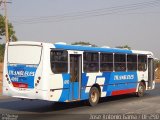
{"type": "Point", "coordinates": [70, 89]}
{"type": "Point", "coordinates": [86, 48]}
{"type": "Point", "coordinates": [74, 89]}
{"type": "Point", "coordinates": [114, 81]}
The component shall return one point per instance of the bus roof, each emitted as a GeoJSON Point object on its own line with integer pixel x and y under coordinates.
{"type": "Point", "coordinates": [88, 48]}
{"type": "Point", "coordinates": [83, 48]}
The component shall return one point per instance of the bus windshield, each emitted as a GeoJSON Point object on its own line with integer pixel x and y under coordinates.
{"type": "Point", "coordinates": [24, 54]}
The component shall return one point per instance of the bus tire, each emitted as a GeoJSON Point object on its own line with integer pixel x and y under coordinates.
{"type": "Point", "coordinates": [141, 90]}
{"type": "Point", "coordinates": [94, 96]}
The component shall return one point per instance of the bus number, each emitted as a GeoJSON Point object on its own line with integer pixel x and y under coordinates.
{"type": "Point", "coordinates": [66, 81]}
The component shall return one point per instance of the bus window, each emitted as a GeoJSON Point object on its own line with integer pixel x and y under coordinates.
{"type": "Point", "coordinates": [106, 62]}
{"type": "Point", "coordinates": [120, 62]}
{"type": "Point", "coordinates": [28, 54]}
{"type": "Point", "coordinates": [142, 62]}
{"type": "Point", "coordinates": [132, 62]}
{"type": "Point", "coordinates": [91, 62]}
{"type": "Point", "coordinates": [59, 61]}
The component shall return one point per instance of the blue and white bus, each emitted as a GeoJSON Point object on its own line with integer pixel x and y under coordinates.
{"type": "Point", "coordinates": [65, 73]}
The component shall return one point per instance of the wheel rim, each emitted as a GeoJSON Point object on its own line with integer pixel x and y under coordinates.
{"type": "Point", "coordinates": [94, 96]}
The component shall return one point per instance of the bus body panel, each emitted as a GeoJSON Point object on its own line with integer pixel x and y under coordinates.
{"type": "Point", "coordinates": [22, 75]}
{"type": "Point", "coordinates": [59, 87]}
{"type": "Point", "coordinates": [43, 84]}
{"type": "Point", "coordinates": [19, 75]}
{"type": "Point", "coordinates": [111, 83]}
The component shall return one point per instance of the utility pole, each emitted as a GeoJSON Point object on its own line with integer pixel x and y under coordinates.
{"type": "Point", "coordinates": [6, 21]}
{"type": "Point", "coordinates": [0, 2]}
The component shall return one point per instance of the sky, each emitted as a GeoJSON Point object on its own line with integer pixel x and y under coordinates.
{"type": "Point", "coordinates": [135, 23]}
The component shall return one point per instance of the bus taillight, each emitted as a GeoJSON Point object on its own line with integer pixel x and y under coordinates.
{"type": "Point", "coordinates": [37, 82]}
{"type": "Point", "coordinates": [6, 76]}
{"type": "Point", "coordinates": [7, 79]}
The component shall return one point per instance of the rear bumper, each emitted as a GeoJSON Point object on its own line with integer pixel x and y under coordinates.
{"type": "Point", "coordinates": [25, 93]}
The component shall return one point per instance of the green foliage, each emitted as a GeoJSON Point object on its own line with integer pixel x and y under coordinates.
{"type": "Point", "coordinates": [84, 43]}
{"type": "Point", "coordinates": [11, 32]}
{"type": "Point", "coordinates": [2, 48]}
{"type": "Point", "coordinates": [124, 47]}
{"type": "Point", "coordinates": [157, 63]}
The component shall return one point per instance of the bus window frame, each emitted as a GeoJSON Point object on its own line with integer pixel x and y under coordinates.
{"type": "Point", "coordinates": [110, 62]}
{"type": "Point", "coordinates": [145, 63]}
{"type": "Point", "coordinates": [132, 62]}
{"type": "Point", "coordinates": [67, 62]}
{"type": "Point", "coordinates": [94, 62]}
{"type": "Point", "coordinates": [120, 62]}
{"type": "Point", "coordinates": [25, 45]}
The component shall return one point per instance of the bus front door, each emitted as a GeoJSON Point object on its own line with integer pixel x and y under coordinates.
{"type": "Point", "coordinates": [75, 76]}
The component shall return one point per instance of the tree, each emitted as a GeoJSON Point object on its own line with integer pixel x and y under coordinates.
{"type": "Point", "coordinates": [11, 32]}
{"type": "Point", "coordinates": [84, 44]}
{"type": "Point", "coordinates": [124, 47]}
{"type": "Point", "coordinates": [157, 63]}
{"type": "Point", "coordinates": [2, 48]}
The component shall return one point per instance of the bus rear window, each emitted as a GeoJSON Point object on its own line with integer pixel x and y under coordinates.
{"type": "Point", "coordinates": [59, 61]}
{"type": "Point", "coordinates": [24, 54]}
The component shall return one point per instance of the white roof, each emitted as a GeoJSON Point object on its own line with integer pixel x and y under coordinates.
{"type": "Point", "coordinates": [25, 42]}
{"type": "Point", "coordinates": [40, 43]}
{"type": "Point", "coordinates": [142, 52]}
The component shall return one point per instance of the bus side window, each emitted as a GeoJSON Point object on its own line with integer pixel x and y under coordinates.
{"type": "Point", "coordinates": [142, 62]}
{"type": "Point", "coordinates": [106, 62]}
{"type": "Point", "coordinates": [132, 62]}
{"type": "Point", "coordinates": [120, 62]}
{"type": "Point", "coordinates": [91, 61]}
{"type": "Point", "coordinates": [59, 61]}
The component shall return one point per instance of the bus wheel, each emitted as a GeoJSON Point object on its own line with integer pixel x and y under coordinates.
{"type": "Point", "coordinates": [141, 90]}
{"type": "Point", "coordinates": [94, 96]}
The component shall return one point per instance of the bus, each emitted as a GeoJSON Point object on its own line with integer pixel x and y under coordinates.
{"type": "Point", "coordinates": [64, 73]}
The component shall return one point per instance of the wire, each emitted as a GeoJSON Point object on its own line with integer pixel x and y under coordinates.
{"type": "Point", "coordinates": [80, 13]}
{"type": "Point", "coordinates": [91, 13]}
{"type": "Point", "coordinates": [97, 10]}
{"type": "Point", "coordinates": [77, 15]}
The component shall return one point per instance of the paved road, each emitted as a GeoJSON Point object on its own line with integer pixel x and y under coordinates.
{"type": "Point", "coordinates": [125, 104]}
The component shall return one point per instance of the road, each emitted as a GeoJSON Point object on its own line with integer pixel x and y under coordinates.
{"type": "Point", "coordinates": [125, 104]}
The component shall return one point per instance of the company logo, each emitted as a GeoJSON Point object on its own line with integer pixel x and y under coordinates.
{"type": "Point", "coordinates": [123, 77]}
{"type": "Point", "coordinates": [21, 73]}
